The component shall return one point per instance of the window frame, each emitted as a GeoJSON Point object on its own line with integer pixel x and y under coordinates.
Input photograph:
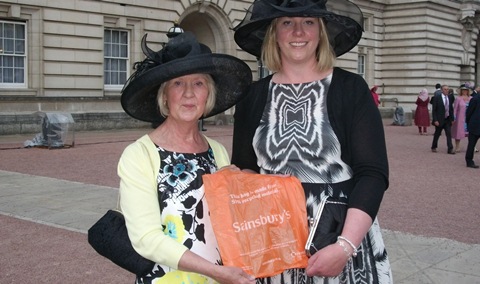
{"type": "Point", "coordinates": [119, 57]}
{"type": "Point", "coordinates": [14, 55]}
{"type": "Point", "coordinates": [361, 64]}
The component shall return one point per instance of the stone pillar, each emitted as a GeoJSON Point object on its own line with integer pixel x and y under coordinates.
{"type": "Point", "coordinates": [477, 51]}
{"type": "Point", "coordinates": [467, 19]}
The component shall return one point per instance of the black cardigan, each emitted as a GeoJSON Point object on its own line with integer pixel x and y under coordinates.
{"type": "Point", "coordinates": [356, 121]}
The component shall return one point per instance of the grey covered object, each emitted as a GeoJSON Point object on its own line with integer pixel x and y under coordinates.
{"type": "Point", "coordinates": [399, 116]}
{"type": "Point", "coordinates": [57, 130]}
{"type": "Point", "coordinates": [343, 19]}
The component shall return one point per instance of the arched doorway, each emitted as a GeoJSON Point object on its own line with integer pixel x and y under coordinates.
{"type": "Point", "coordinates": [211, 26]}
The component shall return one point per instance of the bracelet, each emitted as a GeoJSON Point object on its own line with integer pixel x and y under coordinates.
{"type": "Point", "coordinates": [345, 249]}
{"type": "Point", "coordinates": [355, 251]}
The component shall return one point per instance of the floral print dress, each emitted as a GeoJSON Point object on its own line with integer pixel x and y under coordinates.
{"type": "Point", "coordinates": [184, 212]}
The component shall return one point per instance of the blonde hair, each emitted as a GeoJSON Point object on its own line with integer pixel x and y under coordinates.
{"type": "Point", "coordinates": [469, 92]}
{"type": "Point", "coordinates": [271, 53]}
{"type": "Point", "coordinates": [209, 105]}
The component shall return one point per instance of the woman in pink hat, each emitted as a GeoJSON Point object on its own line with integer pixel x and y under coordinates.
{"type": "Point", "coordinates": [422, 117]}
{"type": "Point", "coordinates": [459, 127]}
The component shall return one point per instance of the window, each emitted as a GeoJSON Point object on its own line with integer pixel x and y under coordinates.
{"type": "Point", "coordinates": [13, 55]}
{"type": "Point", "coordinates": [368, 22]}
{"type": "Point", "coordinates": [361, 65]}
{"type": "Point", "coordinates": [115, 58]}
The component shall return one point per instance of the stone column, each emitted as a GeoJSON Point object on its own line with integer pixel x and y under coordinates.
{"type": "Point", "coordinates": [467, 19]}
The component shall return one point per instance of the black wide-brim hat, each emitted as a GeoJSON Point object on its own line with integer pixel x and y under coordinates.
{"type": "Point", "coordinates": [183, 55]}
{"type": "Point", "coordinates": [343, 19]}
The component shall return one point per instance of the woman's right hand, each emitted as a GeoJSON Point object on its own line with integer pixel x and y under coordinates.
{"type": "Point", "coordinates": [222, 274]}
{"type": "Point", "coordinates": [232, 275]}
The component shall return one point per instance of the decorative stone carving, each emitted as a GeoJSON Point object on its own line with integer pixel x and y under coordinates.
{"type": "Point", "coordinates": [467, 18]}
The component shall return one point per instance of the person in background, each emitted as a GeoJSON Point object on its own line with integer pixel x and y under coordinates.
{"type": "Point", "coordinates": [318, 123]}
{"type": "Point", "coordinates": [422, 116]}
{"type": "Point", "coordinates": [161, 190]}
{"type": "Point", "coordinates": [375, 96]}
{"type": "Point", "coordinates": [472, 119]}
{"type": "Point", "coordinates": [459, 127]}
{"type": "Point", "coordinates": [475, 91]}
{"type": "Point", "coordinates": [438, 91]}
{"type": "Point", "coordinates": [451, 92]}
{"type": "Point", "coordinates": [442, 118]}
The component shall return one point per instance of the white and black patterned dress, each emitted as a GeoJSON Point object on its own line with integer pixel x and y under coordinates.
{"type": "Point", "coordinates": [295, 137]}
{"type": "Point", "coordinates": [184, 212]}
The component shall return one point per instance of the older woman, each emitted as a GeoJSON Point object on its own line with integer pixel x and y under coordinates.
{"type": "Point", "coordinates": [161, 188]}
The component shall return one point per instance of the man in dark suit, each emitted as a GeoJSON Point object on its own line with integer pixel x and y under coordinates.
{"type": "Point", "coordinates": [442, 118]}
{"type": "Point", "coordinates": [437, 92]}
{"type": "Point", "coordinates": [472, 119]}
{"type": "Point", "coordinates": [476, 91]}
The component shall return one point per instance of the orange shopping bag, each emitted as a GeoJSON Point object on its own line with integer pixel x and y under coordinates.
{"type": "Point", "coordinates": [260, 221]}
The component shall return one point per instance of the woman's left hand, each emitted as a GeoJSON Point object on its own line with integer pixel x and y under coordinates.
{"type": "Point", "coordinates": [327, 262]}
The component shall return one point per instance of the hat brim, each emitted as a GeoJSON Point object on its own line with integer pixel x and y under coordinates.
{"type": "Point", "coordinates": [343, 19]}
{"type": "Point", "coordinates": [231, 75]}
{"type": "Point", "coordinates": [466, 88]}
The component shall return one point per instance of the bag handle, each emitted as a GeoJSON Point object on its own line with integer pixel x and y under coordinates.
{"type": "Point", "coordinates": [117, 208]}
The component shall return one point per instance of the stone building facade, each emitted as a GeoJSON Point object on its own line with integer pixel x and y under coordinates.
{"type": "Point", "coordinates": [73, 56]}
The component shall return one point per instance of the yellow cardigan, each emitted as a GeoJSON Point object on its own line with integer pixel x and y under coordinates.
{"type": "Point", "coordinates": [138, 169]}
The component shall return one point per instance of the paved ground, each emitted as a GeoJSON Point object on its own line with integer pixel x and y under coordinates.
{"type": "Point", "coordinates": [49, 199]}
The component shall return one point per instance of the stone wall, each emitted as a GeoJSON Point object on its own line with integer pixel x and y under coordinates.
{"type": "Point", "coordinates": [30, 123]}
{"type": "Point", "coordinates": [408, 45]}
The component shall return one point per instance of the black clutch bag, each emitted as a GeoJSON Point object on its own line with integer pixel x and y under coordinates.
{"type": "Point", "coordinates": [109, 237]}
{"type": "Point", "coordinates": [326, 225]}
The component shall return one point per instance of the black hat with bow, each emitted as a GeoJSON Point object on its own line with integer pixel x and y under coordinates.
{"type": "Point", "coordinates": [183, 55]}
